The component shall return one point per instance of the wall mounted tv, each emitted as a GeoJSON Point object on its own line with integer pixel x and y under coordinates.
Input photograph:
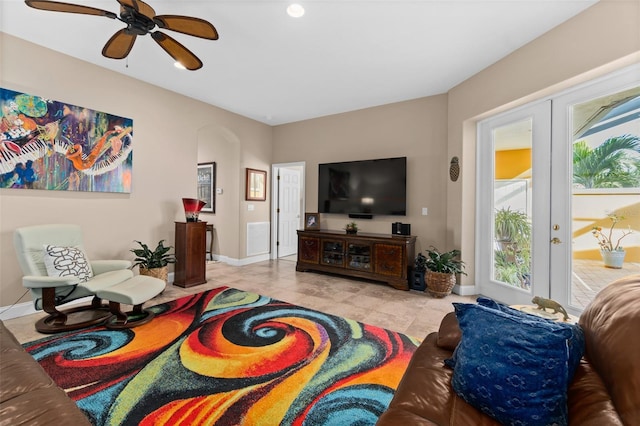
{"type": "Point", "coordinates": [362, 189]}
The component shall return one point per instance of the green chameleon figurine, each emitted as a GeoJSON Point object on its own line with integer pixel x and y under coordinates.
{"type": "Point", "coordinates": [551, 304]}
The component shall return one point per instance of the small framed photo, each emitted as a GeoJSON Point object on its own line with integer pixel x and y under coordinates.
{"type": "Point", "coordinates": [207, 186]}
{"type": "Point", "coordinates": [312, 221]}
{"type": "Point", "coordinates": [256, 185]}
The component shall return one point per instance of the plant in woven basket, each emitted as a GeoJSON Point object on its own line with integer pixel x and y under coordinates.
{"type": "Point", "coordinates": [447, 263]}
{"type": "Point", "coordinates": [153, 262]}
{"type": "Point", "coordinates": [421, 263]}
{"type": "Point", "coordinates": [441, 271]}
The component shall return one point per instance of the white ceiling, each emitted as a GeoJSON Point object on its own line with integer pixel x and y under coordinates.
{"type": "Point", "coordinates": [342, 55]}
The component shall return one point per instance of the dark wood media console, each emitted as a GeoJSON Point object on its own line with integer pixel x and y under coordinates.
{"type": "Point", "coordinates": [379, 257]}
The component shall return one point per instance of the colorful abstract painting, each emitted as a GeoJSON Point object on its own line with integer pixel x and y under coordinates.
{"type": "Point", "coordinates": [46, 144]}
{"type": "Point", "coordinates": [229, 357]}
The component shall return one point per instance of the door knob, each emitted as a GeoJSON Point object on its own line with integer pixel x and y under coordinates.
{"type": "Point", "coordinates": [555, 240]}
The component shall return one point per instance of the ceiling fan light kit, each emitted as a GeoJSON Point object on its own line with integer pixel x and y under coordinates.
{"type": "Point", "coordinates": [141, 19]}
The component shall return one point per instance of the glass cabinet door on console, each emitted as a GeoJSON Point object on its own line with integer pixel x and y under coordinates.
{"type": "Point", "coordinates": [332, 253]}
{"type": "Point", "coordinates": [359, 256]}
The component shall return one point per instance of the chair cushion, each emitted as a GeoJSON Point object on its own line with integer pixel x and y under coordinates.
{"type": "Point", "coordinates": [133, 291]}
{"type": "Point", "coordinates": [513, 366]}
{"type": "Point", "coordinates": [66, 261]}
{"type": "Point", "coordinates": [106, 280]}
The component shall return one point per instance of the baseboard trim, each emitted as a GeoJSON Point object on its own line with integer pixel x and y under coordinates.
{"type": "Point", "coordinates": [465, 290]}
{"type": "Point", "coordinates": [242, 262]}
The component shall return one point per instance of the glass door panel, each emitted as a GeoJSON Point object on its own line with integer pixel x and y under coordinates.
{"type": "Point", "coordinates": [332, 253]}
{"type": "Point", "coordinates": [513, 205]}
{"type": "Point", "coordinates": [602, 139]}
{"type": "Point", "coordinates": [511, 213]}
{"type": "Point", "coordinates": [359, 256]}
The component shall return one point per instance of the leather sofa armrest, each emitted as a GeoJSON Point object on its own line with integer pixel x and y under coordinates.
{"type": "Point", "coordinates": [589, 401]}
{"type": "Point", "coordinates": [425, 393]}
{"type": "Point", "coordinates": [395, 416]}
{"type": "Point", "coordinates": [449, 334]}
{"type": "Point", "coordinates": [102, 266]}
{"type": "Point", "coordinates": [39, 281]}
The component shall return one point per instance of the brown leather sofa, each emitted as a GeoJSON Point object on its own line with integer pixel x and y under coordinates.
{"type": "Point", "coordinates": [605, 389]}
{"type": "Point", "coordinates": [28, 396]}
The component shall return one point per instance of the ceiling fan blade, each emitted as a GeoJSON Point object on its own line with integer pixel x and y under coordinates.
{"type": "Point", "coordinates": [177, 51]}
{"type": "Point", "coordinates": [55, 6]}
{"type": "Point", "coordinates": [187, 25]}
{"type": "Point", "coordinates": [119, 46]}
{"type": "Point", "coordinates": [139, 6]}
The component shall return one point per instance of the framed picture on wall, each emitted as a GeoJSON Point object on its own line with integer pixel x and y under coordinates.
{"type": "Point", "coordinates": [207, 186]}
{"type": "Point", "coordinates": [256, 185]}
{"type": "Point", "coordinates": [53, 145]}
{"type": "Point", "coordinates": [312, 221]}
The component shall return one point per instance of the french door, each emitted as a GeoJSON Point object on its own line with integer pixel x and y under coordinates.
{"type": "Point", "coordinates": [538, 202]}
{"type": "Point", "coordinates": [512, 217]}
{"type": "Point", "coordinates": [596, 127]}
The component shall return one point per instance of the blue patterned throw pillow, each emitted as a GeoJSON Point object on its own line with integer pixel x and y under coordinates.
{"type": "Point", "coordinates": [513, 366]}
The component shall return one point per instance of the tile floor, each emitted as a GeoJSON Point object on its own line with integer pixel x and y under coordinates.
{"type": "Point", "coordinates": [411, 312]}
{"type": "Point", "coordinates": [590, 276]}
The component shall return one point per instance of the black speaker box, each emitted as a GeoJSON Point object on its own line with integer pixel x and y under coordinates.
{"type": "Point", "coordinates": [399, 228]}
{"type": "Point", "coordinates": [417, 281]}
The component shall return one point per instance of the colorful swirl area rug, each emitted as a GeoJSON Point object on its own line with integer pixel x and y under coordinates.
{"type": "Point", "coordinates": [229, 357]}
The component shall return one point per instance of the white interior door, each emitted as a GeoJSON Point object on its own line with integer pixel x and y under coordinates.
{"type": "Point", "coordinates": [288, 207]}
{"type": "Point", "coordinates": [513, 207]}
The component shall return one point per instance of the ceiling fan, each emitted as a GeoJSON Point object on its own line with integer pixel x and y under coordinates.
{"type": "Point", "coordinates": [141, 19]}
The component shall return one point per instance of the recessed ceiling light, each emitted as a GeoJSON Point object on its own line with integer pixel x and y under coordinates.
{"type": "Point", "coordinates": [295, 10]}
{"type": "Point", "coordinates": [179, 65]}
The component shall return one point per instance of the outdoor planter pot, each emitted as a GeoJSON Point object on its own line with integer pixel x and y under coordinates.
{"type": "Point", "coordinates": [613, 259]}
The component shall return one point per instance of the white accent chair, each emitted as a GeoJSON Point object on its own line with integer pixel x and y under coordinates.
{"type": "Point", "coordinates": [48, 292]}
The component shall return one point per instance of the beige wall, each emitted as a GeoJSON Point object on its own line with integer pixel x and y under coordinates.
{"type": "Point", "coordinates": [415, 129]}
{"type": "Point", "coordinates": [597, 41]}
{"type": "Point", "coordinates": [169, 129]}
{"type": "Point", "coordinates": [584, 47]}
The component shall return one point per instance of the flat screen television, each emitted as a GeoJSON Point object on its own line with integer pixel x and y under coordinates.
{"type": "Point", "coordinates": [364, 188]}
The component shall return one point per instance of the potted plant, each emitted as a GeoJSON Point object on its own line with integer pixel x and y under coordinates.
{"type": "Point", "coordinates": [512, 232]}
{"type": "Point", "coordinates": [351, 228]}
{"type": "Point", "coordinates": [153, 262]}
{"type": "Point", "coordinates": [612, 252]}
{"type": "Point", "coordinates": [511, 227]}
{"type": "Point", "coordinates": [441, 271]}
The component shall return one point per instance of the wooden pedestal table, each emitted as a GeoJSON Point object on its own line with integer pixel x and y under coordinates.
{"type": "Point", "coordinates": [191, 252]}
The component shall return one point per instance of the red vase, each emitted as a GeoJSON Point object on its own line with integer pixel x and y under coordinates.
{"type": "Point", "coordinates": [192, 207]}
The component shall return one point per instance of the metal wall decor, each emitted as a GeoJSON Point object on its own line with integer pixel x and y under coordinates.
{"type": "Point", "coordinates": [454, 169]}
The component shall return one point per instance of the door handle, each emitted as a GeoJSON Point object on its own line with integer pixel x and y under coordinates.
{"type": "Point", "coordinates": [556, 240]}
